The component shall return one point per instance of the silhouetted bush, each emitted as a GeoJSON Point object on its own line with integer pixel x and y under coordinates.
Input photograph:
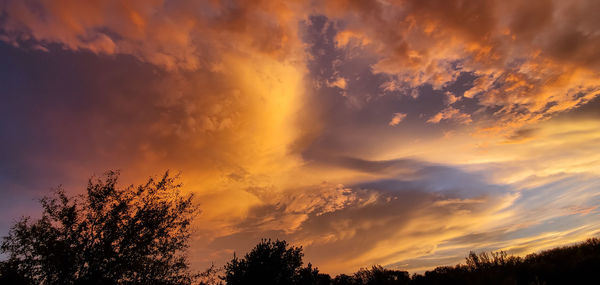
{"type": "Point", "coordinates": [374, 275]}
{"type": "Point", "coordinates": [577, 264]}
{"type": "Point", "coordinates": [311, 276]}
{"type": "Point", "coordinates": [271, 262]}
{"type": "Point", "coordinates": [110, 235]}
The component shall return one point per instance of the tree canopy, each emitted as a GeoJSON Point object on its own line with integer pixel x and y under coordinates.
{"type": "Point", "coordinates": [271, 262]}
{"type": "Point", "coordinates": [109, 235]}
{"type": "Point", "coordinates": [277, 263]}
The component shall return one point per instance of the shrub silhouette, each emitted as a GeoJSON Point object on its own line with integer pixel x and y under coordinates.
{"type": "Point", "coordinates": [311, 276]}
{"type": "Point", "coordinates": [380, 275]}
{"type": "Point", "coordinates": [110, 235]}
{"type": "Point", "coordinates": [272, 262]}
{"type": "Point", "coordinates": [374, 276]}
{"type": "Point", "coordinates": [576, 264]}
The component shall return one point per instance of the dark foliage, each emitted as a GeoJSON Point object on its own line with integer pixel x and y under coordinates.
{"type": "Point", "coordinates": [272, 262]}
{"type": "Point", "coordinates": [110, 235]}
{"type": "Point", "coordinates": [375, 275]}
{"type": "Point", "coordinates": [578, 264]}
{"type": "Point", "coordinates": [10, 273]}
{"type": "Point", "coordinates": [380, 275]}
{"type": "Point", "coordinates": [311, 276]}
{"type": "Point", "coordinates": [211, 276]}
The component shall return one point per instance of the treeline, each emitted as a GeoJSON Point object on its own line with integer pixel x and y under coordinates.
{"type": "Point", "coordinates": [273, 262]}
{"type": "Point", "coordinates": [576, 264]}
{"type": "Point", "coordinates": [139, 235]}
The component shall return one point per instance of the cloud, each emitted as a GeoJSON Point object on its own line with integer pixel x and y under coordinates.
{"type": "Point", "coordinates": [175, 35]}
{"type": "Point", "coordinates": [532, 60]}
{"type": "Point", "coordinates": [340, 82]}
{"type": "Point", "coordinates": [522, 135]}
{"type": "Point", "coordinates": [397, 118]}
{"type": "Point", "coordinates": [450, 98]}
{"type": "Point", "coordinates": [452, 114]}
{"type": "Point", "coordinates": [376, 221]}
{"type": "Point", "coordinates": [95, 113]}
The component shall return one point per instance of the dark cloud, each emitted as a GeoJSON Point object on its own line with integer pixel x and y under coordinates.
{"type": "Point", "coordinates": [522, 134]}
{"type": "Point", "coordinates": [527, 18]}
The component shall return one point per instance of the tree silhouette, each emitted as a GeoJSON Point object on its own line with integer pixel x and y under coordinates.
{"type": "Point", "coordinates": [576, 264]}
{"type": "Point", "coordinates": [109, 235]}
{"type": "Point", "coordinates": [380, 275]}
{"type": "Point", "coordinates": [211, 276]}
{"type": "Point", "coordinates": [311, 276]}
{"type": "Point", "coordinates": [271, 262]}
{"type": "Point", "coordinates": [374, 276]}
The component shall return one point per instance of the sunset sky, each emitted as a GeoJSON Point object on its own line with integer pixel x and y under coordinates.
{"type": "Point", "coordinates": [402, 133]}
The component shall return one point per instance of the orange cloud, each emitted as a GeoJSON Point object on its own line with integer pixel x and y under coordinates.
{"type": "Point", "coordinates": [533, 60]}
{"type": "Point", "coordinates": [398, 117]}
{"type": "Point", "coordinates": [175, 35]}
{"type": "Point", "coordinates": [450, 114]}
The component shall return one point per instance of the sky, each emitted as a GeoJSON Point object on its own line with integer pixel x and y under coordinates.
{"type": "Point", "coordinates": [402, 133]}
